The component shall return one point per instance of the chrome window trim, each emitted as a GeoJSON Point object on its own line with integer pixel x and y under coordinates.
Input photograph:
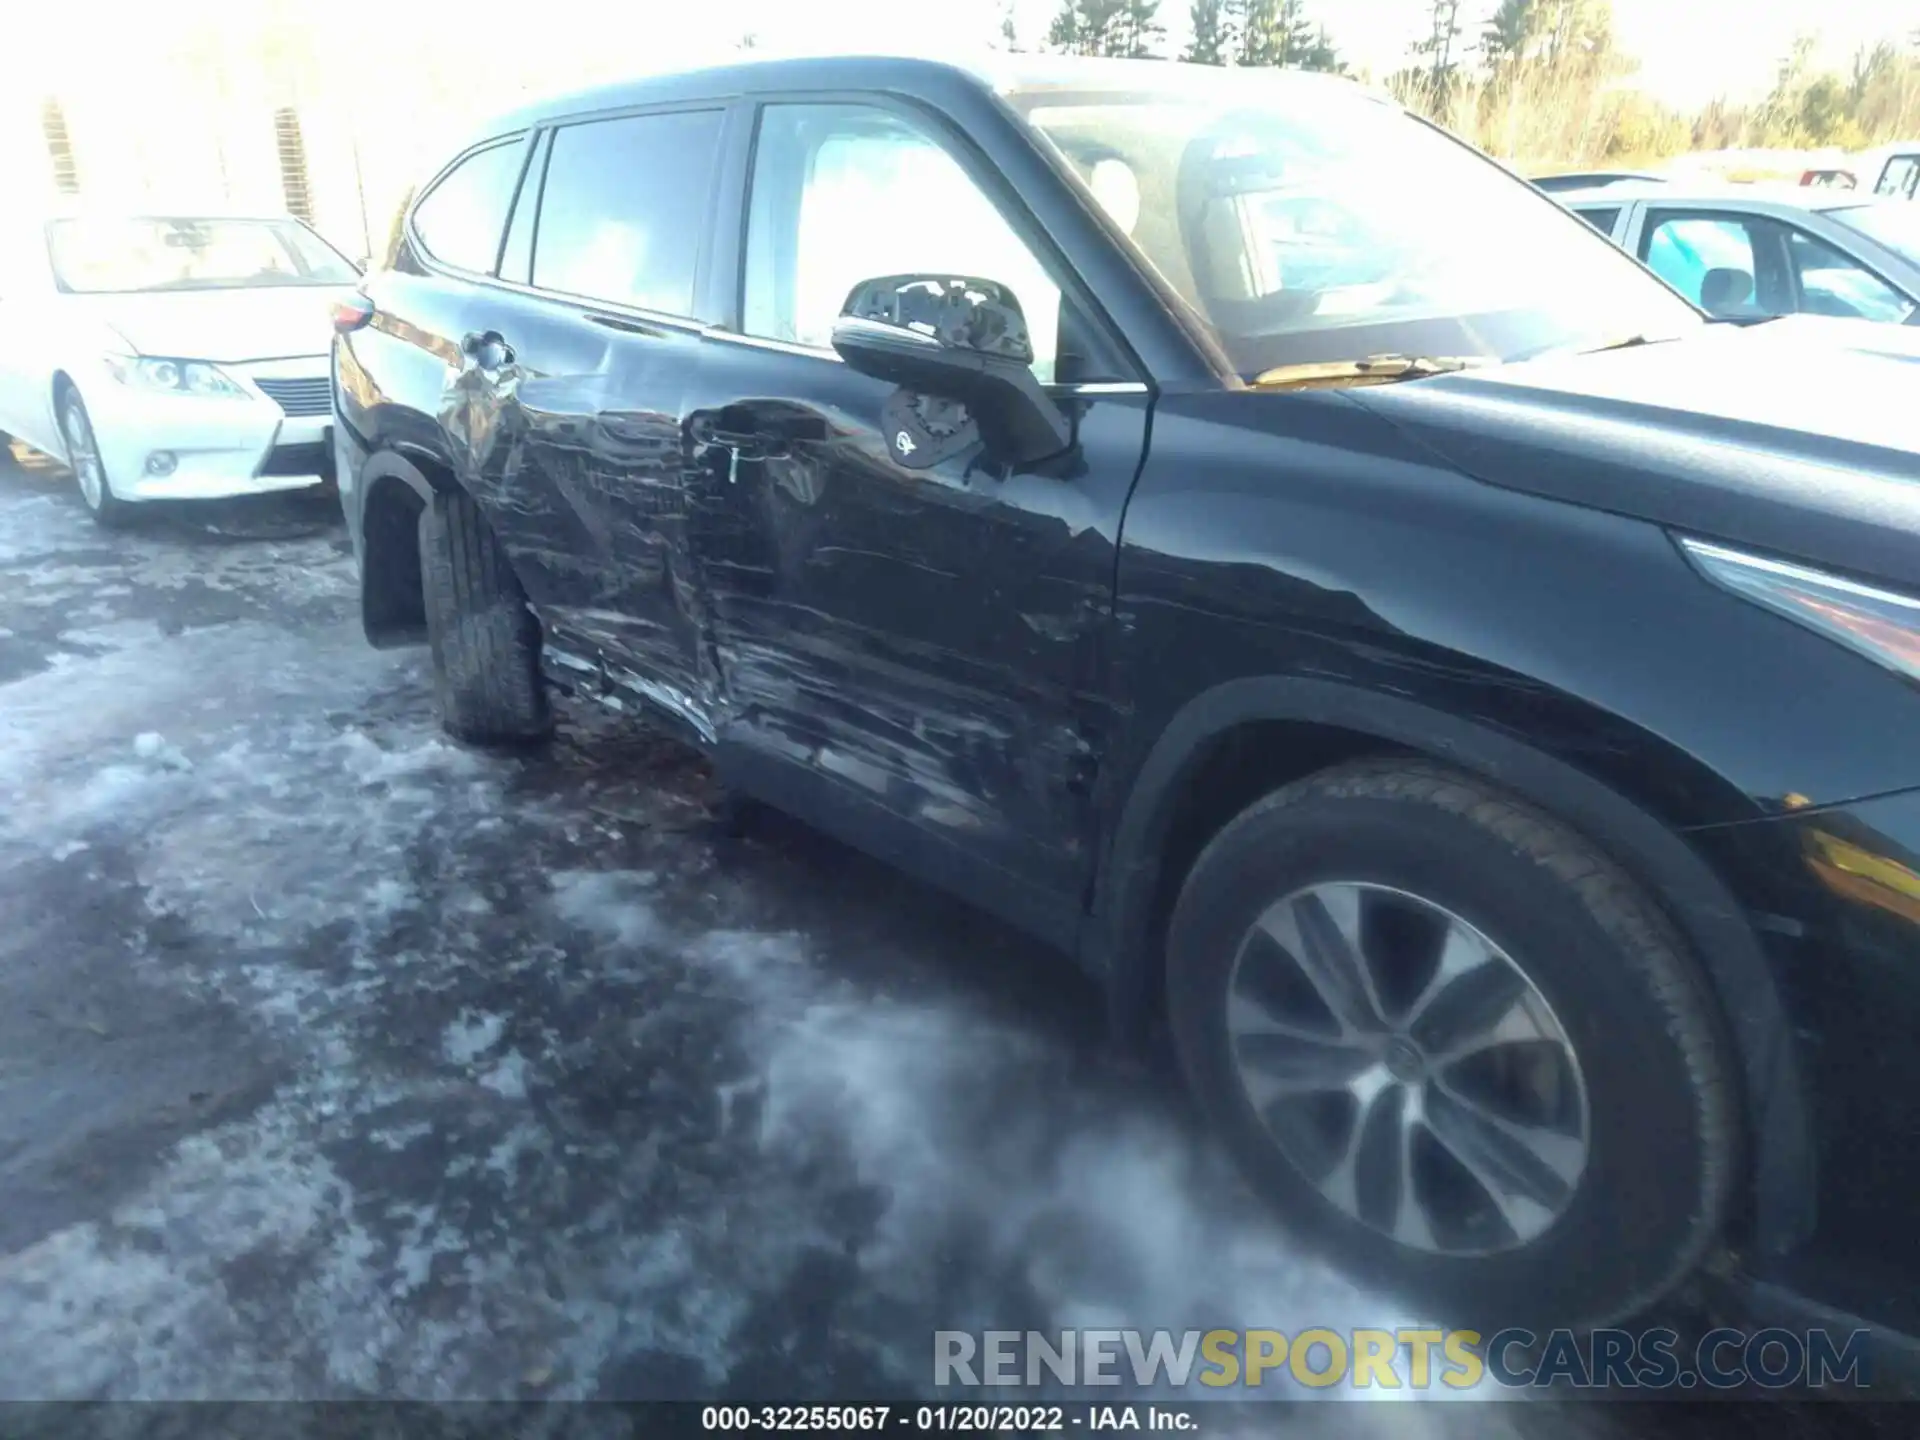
{"type": "Point", "coordinates": [521, 138]}
{"type": "Point", "coordinates": [814, 352]}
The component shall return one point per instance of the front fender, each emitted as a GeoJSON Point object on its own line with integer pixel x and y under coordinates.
{"type": "Point", "coordinates": [1119, 941]}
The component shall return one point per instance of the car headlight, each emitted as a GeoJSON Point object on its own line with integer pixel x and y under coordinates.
{"type": "Point", "coordinates": [1879, 624]}
{"type": "Point", "coordinates": [173, 377]}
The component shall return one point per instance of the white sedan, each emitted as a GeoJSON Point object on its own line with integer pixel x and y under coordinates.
{"type": "Point", "coordinates": [172, 357]}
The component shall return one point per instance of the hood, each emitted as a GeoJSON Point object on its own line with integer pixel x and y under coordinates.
{"type": "Point", "coordinates": [268, 323]}
{"type": "Point", "coordinates": [1800, 437]}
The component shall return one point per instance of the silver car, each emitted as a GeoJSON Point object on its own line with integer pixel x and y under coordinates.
{"type": "Point", "coordinates": [1748, 252]}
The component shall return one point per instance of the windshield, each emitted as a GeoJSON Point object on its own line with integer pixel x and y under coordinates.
{"type": "Point", "coordinates": [1307, 222]}
{"type": "Point", "coordinates": [97, 256]}
{"type": "Point", "coordinates": [1895, 226]}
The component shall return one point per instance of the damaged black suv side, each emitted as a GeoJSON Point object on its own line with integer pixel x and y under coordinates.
{"type": "Point", "coordinates": [1467, 696]}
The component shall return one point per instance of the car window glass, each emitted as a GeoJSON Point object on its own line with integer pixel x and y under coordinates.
{"type": "Point", "coordinates": [1901, 176]}
{"type": "Point", "coordinates": [1708, 259]}
{"type": "Point", "coordinates": [460, 219]}
{"type": "Point", "coordinates": [1601, 220]}
{"type": "Point", "coordinates": [845, 193]}
{"type": "Point", "coordinates": [623, 210]}
{"type": "Point", "coordinates": [1835, 284]}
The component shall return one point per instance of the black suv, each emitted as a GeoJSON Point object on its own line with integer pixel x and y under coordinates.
{"type": "Point", "coordinates": [1238, 533]}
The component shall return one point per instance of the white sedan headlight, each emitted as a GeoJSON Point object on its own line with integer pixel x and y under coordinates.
{"type": "Point", "coordinates": [1880, 624]}
{"type": "Point", "coordinates": [173, 377]}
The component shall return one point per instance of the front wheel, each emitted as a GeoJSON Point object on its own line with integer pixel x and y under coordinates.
{"type": "Point", "coordinates": [89, 470]}
{"type": "Point", "coordinates": [485, 641]}
{"type": "Point", "coordinates": [1456, 1045]}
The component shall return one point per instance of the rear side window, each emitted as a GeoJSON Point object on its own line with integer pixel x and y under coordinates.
{"type": "Point", "coordinates": [1836, 284]}
{"type": "Point", "coordinates": [459, 221]}
{"type": "Point", "coordinates": [1601, 220]}
{"type": "Point", "coordinates": [624, 209]}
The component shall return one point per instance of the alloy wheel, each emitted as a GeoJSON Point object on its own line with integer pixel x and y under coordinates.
{"type": "Point", "coordinates": [1408, 1068]}
{"type": "Point", "coordinates": [83, 453]}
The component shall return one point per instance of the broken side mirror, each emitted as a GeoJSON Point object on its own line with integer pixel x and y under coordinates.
{"type": "Point", "coordinates": [958, 349]}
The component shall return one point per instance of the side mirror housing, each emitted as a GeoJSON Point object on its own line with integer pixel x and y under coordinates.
{"type": "Point", "coordinates": [958, 349]}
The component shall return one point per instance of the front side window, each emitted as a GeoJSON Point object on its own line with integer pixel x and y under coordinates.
{"type": "Point", "coordinates": [95, 256]}
{"type": "Point", "coordinates": [845, 193]}
{"type": "Point", "coordinates": [1306, 221]}
{"type": "Point", "coordinates": [460, 219]}
{"type": "Point", "coordinates": [1895, 226]}
{"type": "Point", "coordinates": [1835, 284]}
{"type": "Point", "coordinates": [623, 209]}
{"type": "Point", "coordinates": [1601, 220]}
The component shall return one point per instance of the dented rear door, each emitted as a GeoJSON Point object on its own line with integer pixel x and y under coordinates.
{"type": "Point", "coordinates": [585, 350]}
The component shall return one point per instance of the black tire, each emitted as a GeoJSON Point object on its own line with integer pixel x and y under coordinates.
{"type": "Point", "coordinates": [484, 639]}
{"type": "Point", "coordinates": [1661, 1110]}
{"type": "Point", "coordinates": [95, 488]}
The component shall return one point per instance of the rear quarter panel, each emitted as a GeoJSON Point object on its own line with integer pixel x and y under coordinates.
{"type": "Point", "coordinates": [397, 380]}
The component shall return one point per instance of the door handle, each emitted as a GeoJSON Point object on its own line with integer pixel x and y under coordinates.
{"type": "Point", "coordinates": [749, 444]}
{"type": "Point", "coordinates": [768, 440]}
{"type": "Point", "coordinates": [488, 348]}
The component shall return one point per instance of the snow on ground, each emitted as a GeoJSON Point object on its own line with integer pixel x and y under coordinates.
{"type": "Point", "coordinates": [342, 1061]}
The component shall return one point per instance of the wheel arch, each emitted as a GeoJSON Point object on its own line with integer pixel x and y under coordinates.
{"type": "Point", "coordinates": [394, 490]}
{"type": "Point", "coordinates": [1121, 941]}
{"type": "Point", "coordinates": [57, 385]}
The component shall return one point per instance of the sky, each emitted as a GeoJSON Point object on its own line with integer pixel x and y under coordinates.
{"type": "Point", "coordinates": [1691, 50]}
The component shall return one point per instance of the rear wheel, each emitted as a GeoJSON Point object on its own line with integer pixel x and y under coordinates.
{"type": "Point", "coordinates": [1456, 1045]}
{"type": "Point", "coordinates": [484, 639]}
{"type": "Point", "coordinates": [83, 454]}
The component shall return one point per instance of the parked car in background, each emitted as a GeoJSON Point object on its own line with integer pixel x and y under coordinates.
{"type": "Point", "coordinates": [1745, 252]}
{"type": "Point", "coordinates": [169, 357]}
{"type": "Point", "coordinates": [1593, 180]}
{"type": "Point", "coordinates": [1890, 171]}
{"type": "Point", "coordinates": [1470, 697]}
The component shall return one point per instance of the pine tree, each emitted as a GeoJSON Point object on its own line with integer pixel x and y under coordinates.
{"type": "Point", "coordinates": [1321, 55]}
{"type": "Point", "coordinates": [1064, 34]}
{"type": "Point", "coordinates": [1138, 31]}
{"type": "Point", "coordinates": [1094, 27]}
{"type": "Point", "coordinates": [1509, 31]}
{"type": "Point", "coordinates": [1274, 32]}
{"type": "Point", "coordinates": [1212, 40]}
{"type": "Point", "coordinates": [1259, 32]}
{"type": "Point", "coordinates": [1009, 37]}
{"type": "Point", "coordinates": [1296, 33]}
{"type": "Point", "coordinates": [1438, 46]}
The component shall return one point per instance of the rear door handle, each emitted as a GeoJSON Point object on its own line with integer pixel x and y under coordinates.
{"type": "Point", "coordinates": [488, 348]}
{"type": "Point", "coordinates": [748, 444]}
{"type": "Point", "coordinates": [765, 441]}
